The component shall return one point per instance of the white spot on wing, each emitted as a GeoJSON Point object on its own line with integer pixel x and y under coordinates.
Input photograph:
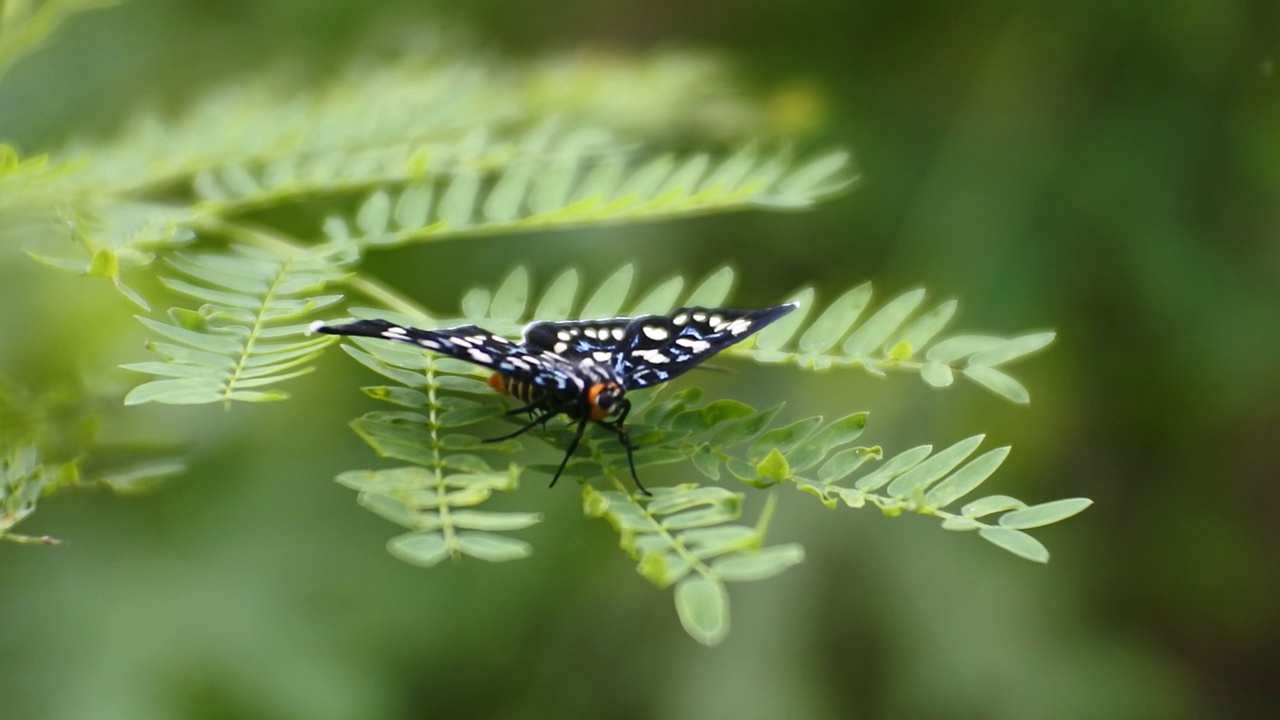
{"type": "Point", "coordinates": [561, 347]}
{"type": "Point", "coordinates": [696, 346]}
{"type": "Point", "coordinates": [699, 317]}
{"type": "Point", "coordinates": [563, 335]}
{"type": "Point", "coordinates": [739, 326]}
{"type": "Point", "coordinates": [619, 333]}
{"type": "Point", "coordinates": [716, 320]}
{"type": "Point", "coordinates": [460, 341]}
{"type": "Point", "coordinates": [602, 355]}
{"type": "Point", "coordinates": [653, 332]}
{"type": "Point", "coordinates": [481, 356]}
{"type": "Point", "coordinates": [429, 344]}
{"type": "Point", "coordinates": [654, 357]}
{"type": "Point", "coordinates": [395, 331]}
{"type": "Point", "coordinates": [680, 319]}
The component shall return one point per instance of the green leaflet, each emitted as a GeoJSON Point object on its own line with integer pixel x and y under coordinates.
{"type": "Point", "coordinates": [893, 337]}
{"type": "Point", "coordinates": [564, 189]}
{"type": "Point", "coordinates": [437, 496]}
{"type": "Point", "coordinates": [921, 481]}
{"type": "Point", "coordinates": [685, 535]}
{"type": "Point", "coordinates": [249, 333]}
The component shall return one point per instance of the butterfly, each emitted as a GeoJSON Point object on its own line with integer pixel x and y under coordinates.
{"type": "Point", "coordinates": [583, 368]}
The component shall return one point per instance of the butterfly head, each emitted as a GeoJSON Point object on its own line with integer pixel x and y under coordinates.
{"type": "Point", "coordinates": [605, 399]}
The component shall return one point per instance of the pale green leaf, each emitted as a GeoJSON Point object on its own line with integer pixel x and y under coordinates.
{"type": "Point", "coordinates": [1016, 542]}
{"type": "Point", "coordinates": [998, 383]}
{"type": "Point", "coordinates": [660, 299]}
{"type": "Point", "coordinates": [991, 504]}
{"type": "Point", "coordinates": [508, 194]}
{"type": "Point", "coordinates": [783, 438]}
{"type": "Point", "coordinates": [919, 332]}
{"type": "Point", "coordinates": [836, 320]}
{"type": "Point", "coordinates": [930, 470]}
{"type": "Point", "coordinates": [703, 607]}
{"type": "Point", "coordinates": [712, 291]}
{"type": "Point", "coordinates": [843, 463]}
{"type": "Point", "coordinates": [511, 297]}
{"type": "Point", "coordinates": [878, 328]}
{"type": "Point", "coordinates": [1044, 514]}
{"type": "Point", "coordinates": [375, 214]}
{"type": "Point", "coordinates": [955, 348]}
{"type": "Point", "coordinates": [937, 374]}
{"type": "Point", "coordinates": [777, 334]}
{"type": "Point", "coordinates": [893, 467]}
{"type": "Point", "coordinates": [459, 200]}
{"type": "Point", "coordinates": [1012, 349]}
{"type": "Point", "coordinates": [966, 479]}
{"type": "Point", "coordinates": [413, 207]}
{"type": "Point", "coordinates": [557, 302]}
{"type": "Point", "coordinates": [425, 549]}
{"type": "Point", "coordinates": [759, 565]}
{"type": "Point", "coordinates": [493, 548]}
{"type": "Point", "coordinates": [607, 301]}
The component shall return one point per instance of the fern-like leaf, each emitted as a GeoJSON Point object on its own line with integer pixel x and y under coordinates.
{"type": "Point", "coordinates": [436, 496]}
{"type": "Point", "coordinates": [685, 535]}
{"type": "Point", "coordinates": [576, 190]}
{"type": "Point", "coordinates": [924, 482]}
{"type": "Point", "coordinates": [894, 337]}
{"type": "Point", "coordinates": [232, 188]}
{"type": "Point", "coordinates": [249, 333]}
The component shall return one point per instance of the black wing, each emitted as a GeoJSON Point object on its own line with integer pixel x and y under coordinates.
{"type": "Point", "coordinates": [599, 340]}
{"type": "Point", "coordinates": [472, 344]}
{"type": "Point", "coordinates": [659, 347]}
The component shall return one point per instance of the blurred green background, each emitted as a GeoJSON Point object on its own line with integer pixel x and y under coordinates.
{"type": "Point", "coordinates": [1108, 169]}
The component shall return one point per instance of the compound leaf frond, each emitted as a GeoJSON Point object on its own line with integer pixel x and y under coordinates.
{"type": "Point", "coordinates": [586, 190]}
{"type": "Point", "coordinates": [250, 331]}
{"type": "Point", "coordinates": [897, 336]}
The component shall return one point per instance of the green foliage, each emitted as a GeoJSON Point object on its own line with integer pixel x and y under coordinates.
{"type": "Point", "coordinates": [894, 337]}
{"type": "Point", "coordinates": [48, 444]}
{"type": "Point", "coordinates": [249, 333]}
{"type": "Point", "coordinates": [575, 189]}
{"type": "Point", "coordinates": [434, 497]}
{"type": "Point", "coordinates": [685, 535]}
{"type": "Point", "coordinates": [439, 145]}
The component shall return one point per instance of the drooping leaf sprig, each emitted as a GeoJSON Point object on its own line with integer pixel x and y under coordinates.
{"type": "Point", "coordinates": [48, 444]}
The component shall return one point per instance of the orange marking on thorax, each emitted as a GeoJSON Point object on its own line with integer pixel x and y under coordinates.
{"type": "Point", "coordinates": [499, 383]}
{"type": "Point", "coordinates": [597, 413]}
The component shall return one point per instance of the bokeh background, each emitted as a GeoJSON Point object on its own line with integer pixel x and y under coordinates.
{"type": "Point", "coordinates": [1109, 169]}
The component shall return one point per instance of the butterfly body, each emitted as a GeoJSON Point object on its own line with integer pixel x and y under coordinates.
{"type": "Point", "coordinates": [583, 368]}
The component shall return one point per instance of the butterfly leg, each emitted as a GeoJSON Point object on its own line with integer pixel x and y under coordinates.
{"type": "Point", "coordinates": [540, 420]}
{"type": "Point", "coordinates": [625, 439]}
{"type": "Point", "coordinates": [531, 408]}
{"type": "Point", "coordinates": [577, 438]}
